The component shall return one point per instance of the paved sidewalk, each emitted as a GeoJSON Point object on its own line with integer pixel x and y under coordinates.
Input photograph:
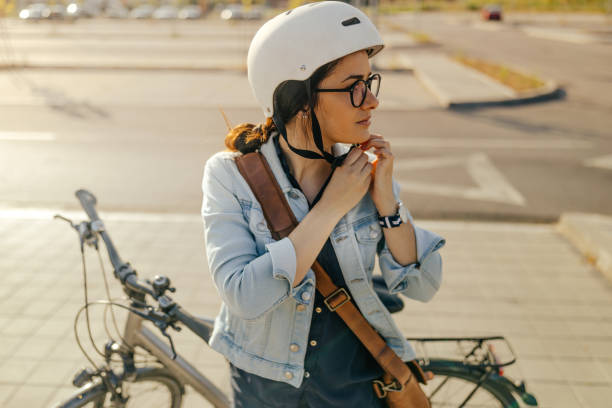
{"type": "Point", "coordinates": [592, 235]}
{"type": "Point", "coordinates": [452, 82]}
{"type": "Point", "coordinates": [523, 281]}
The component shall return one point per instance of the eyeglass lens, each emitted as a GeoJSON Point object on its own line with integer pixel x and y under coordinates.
{"type": "Point", "coordinates": [359, 91]}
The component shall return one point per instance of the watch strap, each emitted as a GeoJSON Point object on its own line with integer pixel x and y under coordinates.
{"type": "Point", "coordinates": [390, 221]}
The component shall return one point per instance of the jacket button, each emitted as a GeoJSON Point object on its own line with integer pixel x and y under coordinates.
{"type": "Point", "coordinates": [301, 308]}
{"type": "Point", "coordinates": [313, 343]}
{"type": "Point", "coordinates": [306, 374]}
{"type": "Point", "coordinates": [288, 375]}
{"type": "Point", "coordinates": [294, 347]}
{"type": "Point", "coordinates": [318, 310]}
{"type": "Point", "coordinates": [305, 296]}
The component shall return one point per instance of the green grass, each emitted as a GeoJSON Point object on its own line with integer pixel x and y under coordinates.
{"type": "Point", "coordinates": [592, 6]}
{"type": "Point", "coordinates": [513, 79]}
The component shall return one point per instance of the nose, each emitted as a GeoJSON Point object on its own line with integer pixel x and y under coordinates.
{"type": "Point", "coordinates": [371, 101]}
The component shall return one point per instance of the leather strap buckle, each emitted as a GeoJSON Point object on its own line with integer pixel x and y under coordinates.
{"type": "Point", "coordinates": [331, 301]}
{"type": "Point", "coordinates": [381, 389]}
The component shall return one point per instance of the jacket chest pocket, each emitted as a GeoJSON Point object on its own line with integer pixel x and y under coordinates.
{"type": "Point", "coordinates": [259, 228]}
{"type": "Point", "coordinates": [367, 233]}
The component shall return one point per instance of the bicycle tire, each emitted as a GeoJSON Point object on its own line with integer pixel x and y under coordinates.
{"type": "Point", "coordinates": [499, 395]}
{"type": "Point", "coordinates": [95, 394]}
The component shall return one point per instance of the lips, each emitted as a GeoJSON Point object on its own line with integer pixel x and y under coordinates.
{"type": "Point", "coordinates": [366, 121]}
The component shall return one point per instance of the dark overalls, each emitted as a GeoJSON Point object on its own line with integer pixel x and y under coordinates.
{"type": "Point", "coordinates": [339, 369]}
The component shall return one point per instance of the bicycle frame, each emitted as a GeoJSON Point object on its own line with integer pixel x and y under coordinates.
{"type": "Point", "coordinates": [136, 334]}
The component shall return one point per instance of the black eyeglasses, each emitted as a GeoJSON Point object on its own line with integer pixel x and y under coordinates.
{"type": "Point", "coordinates": [359, 89]}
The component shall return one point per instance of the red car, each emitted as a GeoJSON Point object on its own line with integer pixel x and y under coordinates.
{"type": "Point", "coordinates": [491, 12]}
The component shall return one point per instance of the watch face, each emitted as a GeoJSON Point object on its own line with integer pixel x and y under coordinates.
{"type": "Point", "coordinates": [403, 213]}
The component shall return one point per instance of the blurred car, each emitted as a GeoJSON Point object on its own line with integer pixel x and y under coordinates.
{"type": "Point", "coordinates": [144, 11]}
{"type": "Point", "coordinates": [116, 11]}
{"type": "Point", "coordinates": [76, 10]}
{"type": "Point", "coordinates": [491, 12]}
{"type": "Point", "coordinates": [34, 11]}
{"type": "Point", "coordinates": [239, 12]}
{"type": "Point", "coordinates": [165, 13]}
{"type": "Point", "coordinates": [56, 12]}
{"type": "Point", "coordinates": [190, 12]}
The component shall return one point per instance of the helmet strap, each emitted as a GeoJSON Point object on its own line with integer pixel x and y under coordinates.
{"type": "Point", "coordinates": [316, 133]}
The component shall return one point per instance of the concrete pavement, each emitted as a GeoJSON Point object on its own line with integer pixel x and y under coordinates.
{"type": "Point", "coordinates": [523, 281]}
{"type": "Point", "coordinates": [215, 45]}
{"type": "Point", "coordinates": [592, 236]}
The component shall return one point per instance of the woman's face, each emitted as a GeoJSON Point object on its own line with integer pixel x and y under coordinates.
{"type": "Point", "coordinates": [340, 121]}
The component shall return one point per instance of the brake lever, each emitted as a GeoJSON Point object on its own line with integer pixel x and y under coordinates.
{"type": "Point", "coordinates": [171, 342]}
{"type": "Point", "coordinates": [88, 232]}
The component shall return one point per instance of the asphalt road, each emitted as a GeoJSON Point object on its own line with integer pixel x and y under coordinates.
{"type": "Point", "coordinates": [139, 139]}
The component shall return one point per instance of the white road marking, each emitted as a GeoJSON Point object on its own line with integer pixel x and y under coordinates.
{"type": "Point", "coordinates": [491, 184]}
{"type": "Point", "coordinates": [571, 36]}
{"type": "Point", "coordinates": [484, 143]}
{"type": "Point", "coordinates": [28, 136]}
{"type": "Point", "coordinates": [603, 162]}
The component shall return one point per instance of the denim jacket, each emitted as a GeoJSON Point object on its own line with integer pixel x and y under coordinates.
{"type": "Point", "coordinates": [264, 322]}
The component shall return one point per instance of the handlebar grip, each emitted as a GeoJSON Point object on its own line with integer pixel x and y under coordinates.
{"type": "Point", "coordinates": [193, 323]}
{"type": "Point", "coordinates": [88, 202]}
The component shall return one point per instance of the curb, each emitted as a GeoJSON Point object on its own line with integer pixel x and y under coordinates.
{"type": "Point", "coordinates": [589, 233]}
{"type": "Point", "coordinates": [550, 91]}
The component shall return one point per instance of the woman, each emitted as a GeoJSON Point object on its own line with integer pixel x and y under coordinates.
{"type": "Point", "coordinates": [309, 69]}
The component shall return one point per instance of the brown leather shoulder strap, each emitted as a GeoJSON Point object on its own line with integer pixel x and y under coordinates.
{"type": "Point", "coordinates": [281, 221]}
{"type": "Point", "coordinates": [256, 171]}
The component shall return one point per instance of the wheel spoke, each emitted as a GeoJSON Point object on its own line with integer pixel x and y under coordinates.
{"type": "Point", "coordinates": [447, 391]}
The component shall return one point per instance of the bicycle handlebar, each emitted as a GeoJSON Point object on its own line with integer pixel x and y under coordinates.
{"type": "Point", "coordinates": [193, 323]}
{"type": "Point", "coordinates": [88, 202]}
{"type": "Point", "coordinates": [127, 275]}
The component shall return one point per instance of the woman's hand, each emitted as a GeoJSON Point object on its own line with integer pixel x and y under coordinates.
{"type": "Point", "coordinates": [349, 183]}
{"type": "Point", "coordinates": [381, 187]}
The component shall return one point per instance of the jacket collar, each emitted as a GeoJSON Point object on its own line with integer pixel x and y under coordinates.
{"type": "Point", "coordinates": [269, 152]}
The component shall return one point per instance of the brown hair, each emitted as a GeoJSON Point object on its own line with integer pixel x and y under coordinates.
{"type": "Point", "coordinates": [246, 137]}
{"type": "Point", "coordinates": [290, 97]}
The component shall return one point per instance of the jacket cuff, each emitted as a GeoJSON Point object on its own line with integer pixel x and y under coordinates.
{"type": "Point", "coordinates": [284, 259]}
{"type": "Point", "coordinates": [397, 276]}
{"type": "Point", "coordinates": [284, 265]}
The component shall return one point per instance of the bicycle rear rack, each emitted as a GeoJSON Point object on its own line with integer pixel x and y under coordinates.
{"type": "Point", "coordinates": [482, 353]}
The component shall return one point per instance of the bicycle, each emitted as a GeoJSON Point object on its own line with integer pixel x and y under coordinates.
{"type": "Point", "coordinates": [163, 383]}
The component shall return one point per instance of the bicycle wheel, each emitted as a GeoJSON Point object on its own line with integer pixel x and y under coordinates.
{"type": "Point", "coordinates": [152, 387]}
{"type": "Point", "coordinates": [456, 386]}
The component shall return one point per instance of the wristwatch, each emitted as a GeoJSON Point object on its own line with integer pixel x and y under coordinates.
{"type": "Point", "coordinates": [392, 221]}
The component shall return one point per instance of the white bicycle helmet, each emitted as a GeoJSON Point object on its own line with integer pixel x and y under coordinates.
{"type": "Point", "coordinates": [294, 44]}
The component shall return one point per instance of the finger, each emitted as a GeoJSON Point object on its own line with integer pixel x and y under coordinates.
{"type": "Point", "coordinates": [429, 375]}
{"type": "Point", "coordinates": [352, 156]}
{"type": "Point", "coordinates": [366, 145]}
{"type": "Point", "coordinates": [379, 143]}
{"type": "Point", "coordinates": [385, 153]}
{"type": "Point", "coordinates": [361, 161]}
{"type": "Point", "coordinates": [367, 168]}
